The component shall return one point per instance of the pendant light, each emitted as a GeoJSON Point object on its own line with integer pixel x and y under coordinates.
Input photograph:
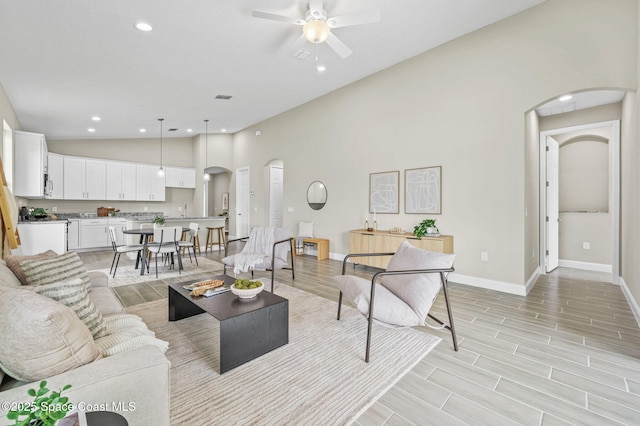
{"type": "Point", "coordinates": [160, 170]}
{"type": "Point", "coordinates": [206, 177]}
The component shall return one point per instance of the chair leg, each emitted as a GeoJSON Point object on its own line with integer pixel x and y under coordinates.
{"type": "Point", "coordinates": [339, 305]}
{"type": "Point", "coordinates": [156, 265]}
{"type": "Point", "coordinates": [273, 271]}
{"type": "Point", "coordinates": [194, 256]}
{"type": "Point", "coordinates": [116, 266]}
{"type": "Point", "coordinates": [115, 253]}
{"type": "Point", "coordinates": [449, 313]}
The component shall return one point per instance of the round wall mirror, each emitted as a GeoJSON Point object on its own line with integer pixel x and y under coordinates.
{"type": "Point", "coordinates": [317, 195]}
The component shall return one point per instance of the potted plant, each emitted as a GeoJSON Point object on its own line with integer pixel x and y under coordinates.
{"type": "Point", "coordinates": [427, 226]}
{"type": "Point", "coordinates": [46, 408]}
{"type": "Point", "coordinates": [39, 212]}
{"type": "Point", "coordinates": [158, 221]}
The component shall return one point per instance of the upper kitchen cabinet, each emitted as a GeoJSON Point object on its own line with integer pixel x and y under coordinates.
{"type": "Point", "coordinates": [150, 186]}
{"type": "Point", "coordinates": [30, 165]}
{"type": "Point", "coordinates": [55, 180]}
{"type": "Point", "coordinates": [121, 181]}
{"type": "Point", "coordinates": [180, 177]}
{"type": "Point", "coordinates": [84, 179]}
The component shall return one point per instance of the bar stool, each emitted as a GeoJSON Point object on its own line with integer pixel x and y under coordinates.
{"type": "Point", "coordinates": [210, 242]}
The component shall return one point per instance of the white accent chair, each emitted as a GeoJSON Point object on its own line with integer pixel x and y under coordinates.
{"type": "Point", "coordinates": [403, 294]}
{"type": "Point", "coordinates": [273, 258]}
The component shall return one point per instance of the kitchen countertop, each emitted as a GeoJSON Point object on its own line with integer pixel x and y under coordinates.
{"type": "Point", "coordinates": [41, 221]}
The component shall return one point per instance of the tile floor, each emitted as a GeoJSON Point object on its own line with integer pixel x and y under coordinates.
{"type": "Point", "coordinates": [568, 353]}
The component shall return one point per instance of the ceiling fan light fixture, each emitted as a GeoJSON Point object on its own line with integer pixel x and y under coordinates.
{"type": "Point", "coordinates": [316, 30]}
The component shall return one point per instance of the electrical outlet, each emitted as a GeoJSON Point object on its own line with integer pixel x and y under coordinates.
{"type": "Point", "coordinates": [484, 256]}
{"type": "Point", "coordinates": [179, 208]}
{"type": "Point", "coordinates": [586, 245]}
{"type": "Point", "coordinates": [290, 209]}
{"type": "Point", "coordinates": [54, 209]}
{"type": "Point", "coordinates": [146, 209]}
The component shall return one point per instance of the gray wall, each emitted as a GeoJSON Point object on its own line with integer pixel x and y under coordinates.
{"type": "Point", "coordinates": [461, 106]}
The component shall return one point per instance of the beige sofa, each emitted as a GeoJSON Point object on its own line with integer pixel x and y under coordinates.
{"type": "Point", "coordinates": [133, 382]}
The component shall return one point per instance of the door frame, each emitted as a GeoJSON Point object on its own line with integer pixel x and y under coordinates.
{"type": "Point", "coordinates": [614, 189]}
{"type": "Point", "coordinates": [243, 196]}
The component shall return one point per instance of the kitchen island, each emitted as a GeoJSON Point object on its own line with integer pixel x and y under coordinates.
{"type": "Point", "coordinates": [203, 223]}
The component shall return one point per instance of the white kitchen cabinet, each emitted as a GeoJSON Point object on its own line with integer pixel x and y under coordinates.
{"type": "Point", "coordinates": [73, 234]}
{"type": "Point", "coordinates": [149, 186]}
{"type": "Point", "coordinates": [36, 237]}
{"type": "Point", "coordinates": [93, 233]}
{"type": "Point", "coordinates": [55, 177]}
{"type": "Point", "coordinates": [84, 179]}
{"type": "Point", "coordinates": [180, 177]}
{"type": "Point", "coordinates": [121, 181]}
{"type": "Point", "coordinates": [30, 165]}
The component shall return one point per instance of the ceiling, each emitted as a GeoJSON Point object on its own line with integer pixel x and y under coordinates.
{"type": "Point", "coordinates": [63, 62]}
{"type": "Point", "coordinates": [580, 100]}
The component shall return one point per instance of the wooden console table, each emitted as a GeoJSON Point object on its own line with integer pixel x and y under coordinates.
{"type": "Point", "coordinates": [363, 241]}
{"type": "Point", "coordinates": [322, 244]}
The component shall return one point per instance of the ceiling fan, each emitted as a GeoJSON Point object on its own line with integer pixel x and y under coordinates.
{"type": "Point", "coordinates": [317, 26]}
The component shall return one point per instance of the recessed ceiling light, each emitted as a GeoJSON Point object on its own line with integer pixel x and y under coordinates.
{"type": "Point", "coordinates": [95, 118]}
{"type": "Point", "coordinates": [143, 26]}
{"type": "Point", "coordinates": [189, 130]}
{"type": "Point", "coordinates": [321, 68]}
{"type": "Point", "coordinates": [91, 129]}
{"type": "Point", "coordinates": [564, 98]}
{"type": "Point", "coordinates": [143, 130]}
{"type": "Point", "coordinates": [224, 130]}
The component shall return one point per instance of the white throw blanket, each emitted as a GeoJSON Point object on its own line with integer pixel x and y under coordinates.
{"type": "Point", "coordinates": [256, 251]}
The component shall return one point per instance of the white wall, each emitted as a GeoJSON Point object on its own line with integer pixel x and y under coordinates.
{"type": "Point", "coordinates": [461, 106]}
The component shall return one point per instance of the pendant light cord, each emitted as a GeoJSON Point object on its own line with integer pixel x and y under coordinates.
{"type": "Point", "coordinates": [160, 120]}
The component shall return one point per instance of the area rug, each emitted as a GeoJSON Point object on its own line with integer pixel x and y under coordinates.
{"type": "Point", "coordinates": [319, 378]}
{"type": "Point", "coordinates": [127, 274]}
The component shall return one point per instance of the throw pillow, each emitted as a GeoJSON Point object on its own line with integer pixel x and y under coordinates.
{"type": "Point", "coordinates": [417, 290]}
{"type": "Point", "coordinates": [74, 295]}
{"type": "Point", "coordinates": [50, 270]}
{"type": "Point", "coordinates": [305, 229]}
{"type": "Point", "coordinates": [41, 337]}
{"type": "Point", "coordinates": [13, 262]}
{"type": "Point", "coordinates": [126, 332]}
{"type": "Point", "coordinates": [7, 277]}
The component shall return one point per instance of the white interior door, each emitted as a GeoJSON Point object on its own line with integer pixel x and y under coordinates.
{"type": "Point", "coordinates": [553, 213]}
{"type": "Point", "coordinates": [242, 202]}
{"type": "Point", "coordinates": [276, 195]}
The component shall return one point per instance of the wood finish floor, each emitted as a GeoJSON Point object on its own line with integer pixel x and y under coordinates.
{"type": "Point", "coordinates": [568, 353]}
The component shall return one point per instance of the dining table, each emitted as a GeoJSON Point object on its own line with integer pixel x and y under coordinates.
{"type": "Point", "coordinates": [145, 233]}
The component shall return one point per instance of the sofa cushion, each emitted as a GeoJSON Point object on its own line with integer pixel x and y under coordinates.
{"type": "Point", "coordinates": [74, 295]}
{"type": "Point", "coordinates": [7, 277]}
{"type": "Point", "coordinates": [125, 332]}
{"type": "Point", "coordinates": [13, 262]}
{"type": "Point", "coordinates": [41, 337]}
{"type": "Point", "coordinates": [387, 309]}
{"type": "Point", "coordinates": [50, 270]}
{"type": "Point", "coordinates": [418, 291]}
{"type": "Point", "coordinates": [105, 300]}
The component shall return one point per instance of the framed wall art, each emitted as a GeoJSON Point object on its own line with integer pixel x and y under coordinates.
{"type": "Point", "coordinates": [225, 201]}
{"type": "Point", "coordinates": [384, 195]}
{"type": "Point", "coordinates": [423, 190]}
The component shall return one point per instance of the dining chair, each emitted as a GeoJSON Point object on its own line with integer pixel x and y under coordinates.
{"type": "Point", "coordinates": [190, 244]}
{"type": "Point", "coordinates": [165, 241]}
{"type": "Point", "coordinates": [119, 249]}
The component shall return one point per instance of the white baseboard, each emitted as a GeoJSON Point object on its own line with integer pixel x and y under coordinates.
{"type": "Point", "coordinates": [635, 308]}
{"type": "Point", "coordinates": [532, 280]}
{"type": "Point", "coordinates": [505, 287]}
{"type": "Point", "coordinates": [585, 266]}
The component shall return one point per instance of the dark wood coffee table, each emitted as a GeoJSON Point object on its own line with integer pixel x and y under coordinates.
{"type": "Point", "coordinates": [249, 328]}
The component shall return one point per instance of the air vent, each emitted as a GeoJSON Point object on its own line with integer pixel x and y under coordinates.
{"type": "Point", "coordinates": [172, 130]}
{"type": "Point", "coordinates": [223, 97]}
{"type": "Point", "coordinates": [301, 54]}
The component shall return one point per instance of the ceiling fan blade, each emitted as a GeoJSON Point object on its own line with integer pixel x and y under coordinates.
{"type": "Point", "coordinates": [316, 7]}
{"type": "Point", "coordinates": [276, 17]}
{"type": "Point", "coordinates": [340, 48]}
{"type": "Point", "coordinates": [365, 17]}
